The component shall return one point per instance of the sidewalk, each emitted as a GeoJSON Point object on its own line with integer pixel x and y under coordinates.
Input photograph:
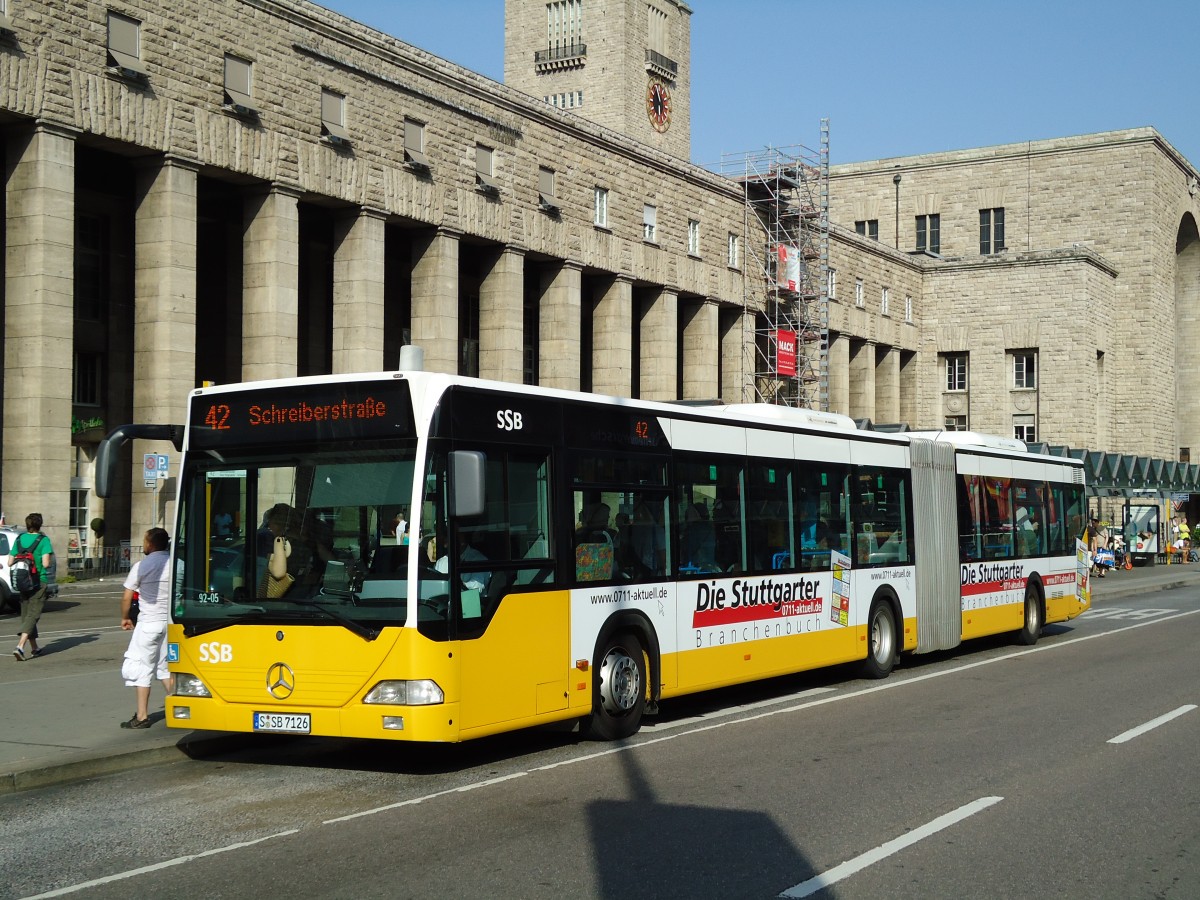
{"type": "Point", "coordinates": [62, 711]}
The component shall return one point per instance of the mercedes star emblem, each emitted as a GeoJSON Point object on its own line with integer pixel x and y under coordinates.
{"type": "Point", "coordinates": [281, 681]}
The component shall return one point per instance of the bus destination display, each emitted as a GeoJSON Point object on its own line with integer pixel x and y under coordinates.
{"type": "Point", "coordinates": [352, 410]}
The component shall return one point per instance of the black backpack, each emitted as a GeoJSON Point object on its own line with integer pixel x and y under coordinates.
{"type": "Point", "coordinates": [25, 574]}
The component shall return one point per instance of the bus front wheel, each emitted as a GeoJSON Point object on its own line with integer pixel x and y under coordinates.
{"type": "Point", "coordinates": [1032, 627]}
{"type": "Point", "coordinates": [619, 691]}
{"type": "Point", "coordinates": [881, 640]}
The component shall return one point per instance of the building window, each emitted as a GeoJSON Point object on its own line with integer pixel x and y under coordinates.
{"type": "Point", "coordinates": [907, 308]}
{"type": "Point", "coordinates": [1025, 428]}
{"type": "Point", "coordinates": [734, 257]}
{"type": "Point", "coordinates": [831, 284]}
{"type": "Point", "coordinates": [239, 85]}
{"type": "Point", "coordinates": [883, 302]}
{"type": "Point", "coordinates": [546, 189]}
{"type": "Point", "coordinates": [569, 100]}
{"type": "Point", "coordinates": [564, 24]}
{"type": "Point", "coordinates": [929, 233]}
{"type": "Point", "coordinates": [859, 296]}
{"type": "Point", "coordinates": [656, 27]}
{"type": "Point", "coordinates": [956, 371]}
{"type": "Point", "coordinates": [956, 423]}
{"type": "Point", "coordinates": [414, 143]}
{"type": "Point", "coordinates": [991, 230]}
{"type": "Point", "coordinates": [88, 371]}
{"type": "Point", "coordinates": [333, 117]}
{"type": "Point", "coordinates": [601, 208]}
{"type": "Point", "coordinates": [125, 45]}
{"type": "Point", "coordinates": [485, 178]}
{"type": "Point", "coordinates": [650, 223]}
{"type": "Point", "coordinates": [868, 227]}
{"type": "Point", "coordinates": [78, 513]}
{"type": "Point", "coordinates": [693, 237]}
{"type": "Point", "coordinates": [1024, 369]}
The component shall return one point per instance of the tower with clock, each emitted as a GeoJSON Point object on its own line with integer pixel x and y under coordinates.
{"type": "Point", "coordinates": [624, 64]}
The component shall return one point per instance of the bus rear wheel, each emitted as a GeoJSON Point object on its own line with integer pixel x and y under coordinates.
{"type": "Point", "coordinates": [619, 692]}
{"type": "Point", "coordinates": [881, 640]}
{"type": "Point", "coordinates": [1031, 629]}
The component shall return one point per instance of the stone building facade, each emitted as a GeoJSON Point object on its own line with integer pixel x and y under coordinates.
{"type": "Point", "coordinates": [258, 189]}
{"type": "Point", "coordinates": [1076, 321]}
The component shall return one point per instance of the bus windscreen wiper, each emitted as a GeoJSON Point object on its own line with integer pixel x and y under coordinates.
{"type": "Point", "coordinates": [345, 621]}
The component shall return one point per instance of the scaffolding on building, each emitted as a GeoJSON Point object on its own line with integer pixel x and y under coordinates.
{"type": "Point", "coordinates": [785, 263]}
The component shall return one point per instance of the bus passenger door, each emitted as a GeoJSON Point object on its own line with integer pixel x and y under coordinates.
{"type": "Point", "coordinates": [510, 623]}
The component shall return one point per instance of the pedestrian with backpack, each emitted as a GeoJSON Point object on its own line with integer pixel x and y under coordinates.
{"type": "Point", "coordinates": [29, 567]}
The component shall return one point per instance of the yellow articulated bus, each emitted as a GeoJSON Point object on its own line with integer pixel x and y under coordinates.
{"type": "Point", "coordinates": [423, 557]}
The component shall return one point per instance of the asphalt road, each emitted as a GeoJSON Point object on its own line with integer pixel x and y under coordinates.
{"type": "Point", "coordinates": [1062, 770]}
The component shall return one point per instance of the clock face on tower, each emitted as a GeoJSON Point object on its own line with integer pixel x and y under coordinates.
{"type": "Point", "coordinates": [658, 105]}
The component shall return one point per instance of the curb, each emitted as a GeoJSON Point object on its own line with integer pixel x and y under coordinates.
{"type": "Point", "coordinates": [83, 767]}
{"type": "Point", "coordinates": [1120, 592]}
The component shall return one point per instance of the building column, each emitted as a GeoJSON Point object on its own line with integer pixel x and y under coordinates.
{"type": "Point", "coordinates": [358, 281]}
{"type": "Point", "coordinates": [558, 326]}
{"type": "Point", "coordinates": [270, 285]}
{"type": "Point", "coordinates": [701, 348]}
{"type": "Point", "coordinates": [839, 374]}
{"type": "Point", "coordinates": [612, 338]}
{"type": "Point", "coordinates": [909, 388]}
{"type": "Point", "coordinates": [862, 380]}
{"type": "Point", "coordinates": [737, 378]}
{"type": "Point", "coordinates": [501, 316]}
{"type": "Point", "coordinates": [887, 385]}
{"type": "Point", "coordinates": [435, 300]}
{"type": "Point", "coordinates": [39, 310]}
{"type": "Point", "coordinates": [164, 323]}
{"type": "Point", "coordinates": [660, 349]}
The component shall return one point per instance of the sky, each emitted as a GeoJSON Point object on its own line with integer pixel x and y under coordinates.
{"type": "Point", "coordinates": [893, 78]}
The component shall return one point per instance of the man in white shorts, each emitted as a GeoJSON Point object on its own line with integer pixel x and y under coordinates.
{"type": "Point", "coordinates": [147, 653]}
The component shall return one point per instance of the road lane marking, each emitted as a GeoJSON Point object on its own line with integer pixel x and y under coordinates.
{"type": "Point", "coordinates": [656, 727]}
{"type": "Point", "coordinates": [1125, 612]}
{"type": "Point", "coordinates": [154, 867]}
{"type": "Point", "coordinates": [1152, 724]}
{"type": "Point", "coordinates": [852, 866]}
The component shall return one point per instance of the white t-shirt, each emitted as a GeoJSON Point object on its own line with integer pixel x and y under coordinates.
{"type": "Point", "coordinates": [149, 577]}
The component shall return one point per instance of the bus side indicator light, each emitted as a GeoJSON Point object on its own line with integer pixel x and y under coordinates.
{"type": "Point", "coordinates": [582, 686]}
{"type": "Point", "coordinates": [746, 657]}
{"type": "Point", "coordinates": [581, 665]}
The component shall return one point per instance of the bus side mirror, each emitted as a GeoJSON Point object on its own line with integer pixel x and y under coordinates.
{"type": "Point", "coordinates": [467, 492]}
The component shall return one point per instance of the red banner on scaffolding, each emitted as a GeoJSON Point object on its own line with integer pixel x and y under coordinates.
{"type": "Point", "coordinates": [785, 352]}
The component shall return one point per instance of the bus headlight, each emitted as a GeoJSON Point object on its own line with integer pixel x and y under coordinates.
{"type": "Point", "coordinates": [422, 692]}
{"type": "Point", "coordinates": [188, 685]}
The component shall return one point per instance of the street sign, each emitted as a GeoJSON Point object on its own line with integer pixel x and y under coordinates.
{"type": "Point", "coordinates": [162, 462]}
{"type": "Point", "coordinates": [150, 469]}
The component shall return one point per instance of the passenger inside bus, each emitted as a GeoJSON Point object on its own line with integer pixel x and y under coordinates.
{"type": "Point", "coordinates": [699, 540]}
{"type": "Point", "coordinates": [297, 549]}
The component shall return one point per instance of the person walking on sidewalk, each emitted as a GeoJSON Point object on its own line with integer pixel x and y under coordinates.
{"type": "Point", "coordinates": [147, 653]}
{"type": "Point", "coordinates": [34, 600]}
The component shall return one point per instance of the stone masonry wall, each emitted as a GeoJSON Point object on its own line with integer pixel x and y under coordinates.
{"type": "Point", "coordinates": [297, 48]}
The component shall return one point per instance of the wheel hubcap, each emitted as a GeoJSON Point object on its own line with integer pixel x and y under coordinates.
{"type": "Point", "coordinates": [620, 683]}
{"type": "Point", "coordinates": [881, 638]}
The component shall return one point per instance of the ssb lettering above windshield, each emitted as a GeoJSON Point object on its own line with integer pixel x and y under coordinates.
{"type": "Point", "coordinates": [509, 420]}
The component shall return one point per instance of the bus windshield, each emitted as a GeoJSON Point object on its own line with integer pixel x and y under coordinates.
{"type": "Point", "coordinates": [319, 537]}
